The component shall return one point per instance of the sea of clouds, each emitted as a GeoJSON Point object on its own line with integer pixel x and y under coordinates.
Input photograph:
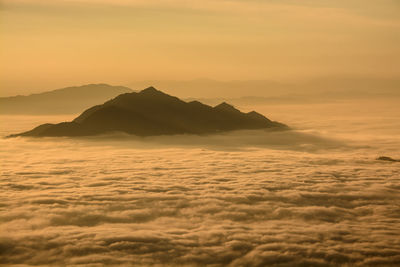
{"type": "Point", "coordinates": [251, 198]}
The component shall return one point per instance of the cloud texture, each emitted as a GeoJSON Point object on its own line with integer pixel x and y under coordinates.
{"type": "Point", "coordinates": [250, 198]}
{"type": "Point", "coordinates": [67, 204]}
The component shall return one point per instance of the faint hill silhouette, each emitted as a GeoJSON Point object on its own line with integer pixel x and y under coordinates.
{"type": "Point", "coordinates": [322, 89]}
{"type": "Point", "coordinates": [152, 112]}
{"type": "Point", "coordinates": [67, 100]}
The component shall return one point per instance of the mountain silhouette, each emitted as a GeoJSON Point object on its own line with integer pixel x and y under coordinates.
{"type": "Point", "coordinates": [152, 112]}
{"type": "Point", "coordinates": [67, 100]}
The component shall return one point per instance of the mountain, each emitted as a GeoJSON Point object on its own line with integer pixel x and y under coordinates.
{"type": "Point", "coordinates": [61, 101]}
{"type": "Point", "coordinates": [152, 112]}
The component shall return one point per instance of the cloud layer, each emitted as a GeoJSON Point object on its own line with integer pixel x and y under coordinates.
{"type": "Point", "coordinates": [249, 198]}
{"type": "Point", "coordinates": [63, 203]}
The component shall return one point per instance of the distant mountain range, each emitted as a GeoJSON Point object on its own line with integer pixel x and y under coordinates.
{"type": "Point", "coordinates": [67, 100]}
{"type": "Point", "coordinates": [72, 100]}
{"type": "Point", "coordinates": [152, 112]}
{"type": "Point", "coordinates": [320, 89]}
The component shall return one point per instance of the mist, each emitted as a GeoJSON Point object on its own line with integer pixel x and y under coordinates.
{"type": "Point", "coordinates": [122, 42]}
{"type": "Point", "coordinates": [312, 196]}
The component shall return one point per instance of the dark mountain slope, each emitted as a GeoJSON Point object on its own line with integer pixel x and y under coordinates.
{"type": "Point", "coordinates": [152, 112]}
{"type": "Point", "coordinates": [67, 100]}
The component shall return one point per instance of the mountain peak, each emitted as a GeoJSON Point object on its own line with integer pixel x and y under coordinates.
{"type": "Point", "coordinates": [226, 107]}
{"type": "Point", "coordinates": [150, 89]}
{"type": "Point", "coordinates": [256, 115]}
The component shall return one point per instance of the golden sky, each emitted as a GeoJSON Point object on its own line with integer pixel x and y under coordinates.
{"type": "Point", "coordinates": [45, 44]}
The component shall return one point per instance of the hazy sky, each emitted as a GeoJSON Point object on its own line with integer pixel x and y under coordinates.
{"type": "Point", "coordinates": [45, 44]}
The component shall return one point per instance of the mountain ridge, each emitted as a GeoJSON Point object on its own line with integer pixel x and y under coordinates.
{"type": "Point", "coordinates": [153, 112]}
{"type": "Point", "coordinates": [67, 100]}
